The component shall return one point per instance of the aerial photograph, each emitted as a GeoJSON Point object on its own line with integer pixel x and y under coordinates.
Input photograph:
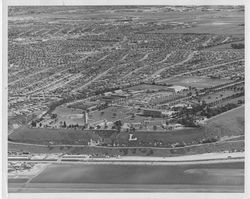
{"type": "Point", "coordinates": [126, 99]}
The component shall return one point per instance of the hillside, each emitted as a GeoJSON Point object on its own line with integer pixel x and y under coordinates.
{"type": "Point", "coordinates": [230, 123]}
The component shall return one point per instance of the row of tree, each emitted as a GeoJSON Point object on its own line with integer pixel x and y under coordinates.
{"type": "Point", "coordinates": [210, 112]}
{"type": "Point", "coordinates": [238, 45]}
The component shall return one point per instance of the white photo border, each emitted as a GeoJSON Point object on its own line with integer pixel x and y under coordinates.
{"type": "Point", "coordinates": [4, 100]}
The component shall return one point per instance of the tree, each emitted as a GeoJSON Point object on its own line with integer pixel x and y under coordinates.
{"type": "Point", "coordinates": [203, 103]}
{"type": "Point", "coordinates": [150, 152]}
{"type": "Point", "coordinates": [238, 45]}
{"type": "Point", "coordinates": [64, 124]}
{"type": "Point", "coordinates": [196, 92]}
{"type": "Point", "coordinates": [98, 126]}
{"type": "Point", "coordinates": [118, 124]}
{"type": "Point", "coordinates": [132, 129]}
{"type": "Point", "coordinates": [53, 116]}
{"type": "Point", "coordinates": [33, 123]}
{"type": "Point", "coordinates": [240, 101]}
{"type": "Point", "coordinates": [189, 94]}
{"type": "Point", "coordinates": [133, 150]}
{"type": "Point", "coordinates": [125, 151]}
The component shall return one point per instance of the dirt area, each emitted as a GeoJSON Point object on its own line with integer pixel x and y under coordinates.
{"type": "Point", "coordinates": [34, 170]}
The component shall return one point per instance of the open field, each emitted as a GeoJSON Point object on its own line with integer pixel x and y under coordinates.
{"type": "Point", "coordinates": [228, 177]}
{"type": "Point", "coordinates": [213, 28]}
{"type": "Point", "coordinates": [215, 96]}
{"type": "Point", "coordinates": [55, 136]}
{"type": "Point", "coordinates": [147, 87]}
{"type": "Point", "coordinates": [67, 136]}
{"type": "Point", "coordinates": [229, 123]}
{"type": "Point", "coordinates": [198, 82]}
{"type": "Point", "coordinates": [228, 22]}
{"type": "Point", "coordinates": [111, 114]}
{"type": "Point", "coordinates": [114, 113]}
{"type": "Point", "coordinates": [134, 174]}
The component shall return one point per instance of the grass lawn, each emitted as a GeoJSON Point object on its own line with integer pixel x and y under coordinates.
{"type": "Point", "coordinates": [218, 95]}
{"type": "Point", "coordinates": [227, 124]}
{"type": "Point", "coordinates": [57, 136]}
{"type": "Point", "coordinates": [110, 114]}
{"type": "Point", "coordinates": [147, 87]}
{"type": "Point", "coordinates": [148, 138]}
{"type": "Point", "coordinates": [76, 137]}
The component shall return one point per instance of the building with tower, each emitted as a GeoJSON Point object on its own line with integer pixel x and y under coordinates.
{"type": "Point", "coordinates": [85, 117]}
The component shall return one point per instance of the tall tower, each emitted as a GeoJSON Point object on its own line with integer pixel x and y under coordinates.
{"type": "Point", "coordinates": [85, 117]}
{"type": "Point", "coordinates": [43, 96]}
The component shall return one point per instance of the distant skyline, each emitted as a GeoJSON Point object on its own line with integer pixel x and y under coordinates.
{"type": "Point", "coordinates": [123, 2]}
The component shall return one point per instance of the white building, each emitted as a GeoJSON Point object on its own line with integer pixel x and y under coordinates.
{"type": "Point", "coordinates": [177, 88]}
